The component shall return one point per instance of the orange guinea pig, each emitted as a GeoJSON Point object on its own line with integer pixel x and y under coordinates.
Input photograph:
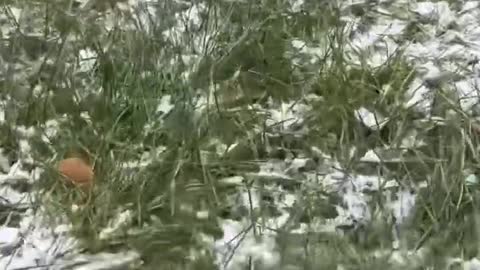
{"type": "Point", "coordinates": [77, 171]}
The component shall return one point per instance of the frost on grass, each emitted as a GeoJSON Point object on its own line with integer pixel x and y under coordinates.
{"type": "Point", "coordinates": [26, 239]}
{"type": "Point", "coordinates": [444, 54]}
{"type": "Point", "coordinates": [309, 178]}
{"type": "Point", "coordinates": [446, 49]}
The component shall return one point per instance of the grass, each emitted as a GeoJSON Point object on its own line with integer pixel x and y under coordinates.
{"type": "Point", "coordinates": [244, 64]}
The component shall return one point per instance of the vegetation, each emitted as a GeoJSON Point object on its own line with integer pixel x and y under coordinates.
{"type": "Point", "coordinates": [172, 98]}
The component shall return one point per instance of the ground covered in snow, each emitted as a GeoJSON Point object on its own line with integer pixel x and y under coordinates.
{"type": "Point", "coordinates": [241, 135]}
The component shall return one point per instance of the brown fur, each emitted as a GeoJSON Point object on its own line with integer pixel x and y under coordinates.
{"type": "Point", "coordinates": [77, 172]}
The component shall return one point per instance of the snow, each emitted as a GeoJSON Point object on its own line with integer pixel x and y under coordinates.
{"type": "Point", "coordinates": [121, 220]}
{"type": "Point", "coordinates": [370, 119]}
{"type": "Point", "coordinates": [33, 243]}
{"type": "Point", "coordinates": [188, 19]}
{"type": "Point", "coordinates": [451, 42]}
{"type": "Point", "coordinates": [446, 53]}
{"type": "Point", "coordinates": [9, 239]}
{"type": "Point", "coordinates": [239, 243]}
{"type": "Point", "coordinates": [87, 59]}
{"type": "Point", "coordinates": [36, 244]}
